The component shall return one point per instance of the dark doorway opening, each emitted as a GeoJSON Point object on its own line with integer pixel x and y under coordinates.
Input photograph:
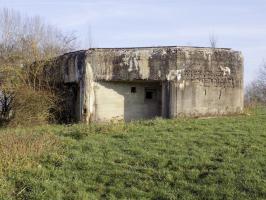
{"type": "Point", "coordinates": [69, 100]}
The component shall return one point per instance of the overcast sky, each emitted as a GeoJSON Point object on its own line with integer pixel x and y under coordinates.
{"type": "Point", "coordinates": [239, 24]}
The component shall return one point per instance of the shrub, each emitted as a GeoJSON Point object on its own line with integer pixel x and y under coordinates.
{"type": "Point", "coordinates": [32, 107]}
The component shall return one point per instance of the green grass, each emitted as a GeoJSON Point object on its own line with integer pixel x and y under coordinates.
{"type": "Point", "coordinates": [218, 158]}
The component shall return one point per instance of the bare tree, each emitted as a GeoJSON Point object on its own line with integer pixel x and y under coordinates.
{"type": "Point", "coordinates": [213, 40]}
{"type": "Point", "coordinates": [23, 41]}
{"type": "Point", "coordinates": [255, 92]}
{"type": "Point", "coordinates": [90, 38]}
{"type": "Point", "coordinates": [30, 38]}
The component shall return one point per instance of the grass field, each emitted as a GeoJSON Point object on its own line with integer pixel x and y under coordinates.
{"type": "Point", "coordinates": [218, 158]}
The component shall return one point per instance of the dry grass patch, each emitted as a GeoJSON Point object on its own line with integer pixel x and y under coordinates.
{"type": "Point", "coordinates": [19, 151]}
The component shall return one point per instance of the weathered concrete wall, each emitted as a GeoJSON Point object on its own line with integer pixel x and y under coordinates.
{"type": "Point", "coordinates": [196, 100]}
{"type": "Point", "coordinates": [195, 81]}
{"type": "Point", "coordinates": [132, 64]}
{"type": "Point", "coordinates": [116, 101]}
{"type": "Point", "coordinates": [212, 85]}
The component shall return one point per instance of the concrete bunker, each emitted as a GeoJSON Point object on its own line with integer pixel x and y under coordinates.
{"type": "Point", "coordinates": [146, 82]}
